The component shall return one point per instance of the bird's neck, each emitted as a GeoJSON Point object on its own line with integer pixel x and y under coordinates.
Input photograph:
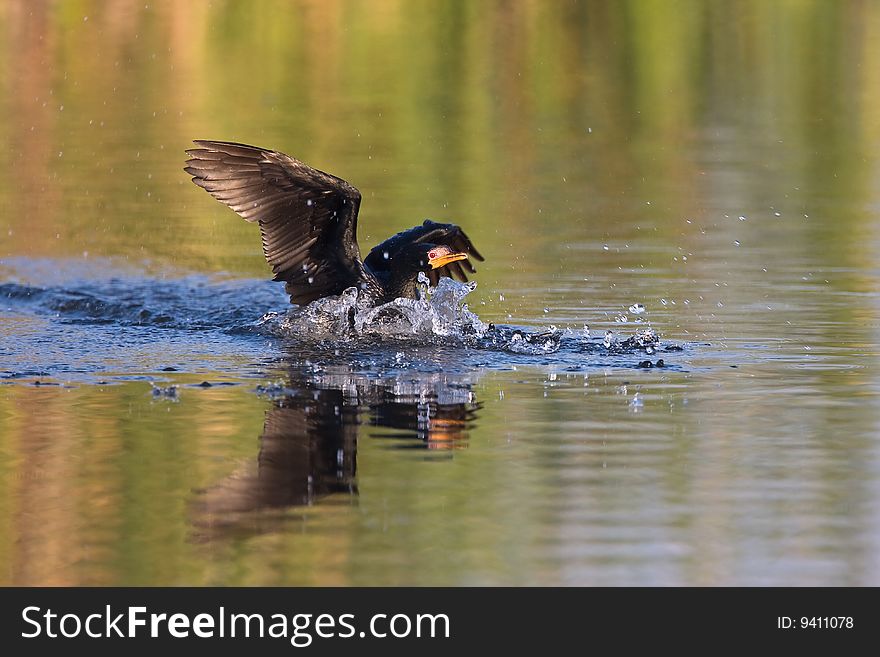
{"type": "Point", "coordinates": [396, 284]}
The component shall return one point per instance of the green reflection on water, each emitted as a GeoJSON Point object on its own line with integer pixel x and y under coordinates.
{"type": "Point", "coordinates": [110, 484]}
{"type": "Point", "coordinates": [548, 130]}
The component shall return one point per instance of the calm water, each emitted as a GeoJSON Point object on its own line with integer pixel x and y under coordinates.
{"type": "Point", "coordinates": [716, 162]}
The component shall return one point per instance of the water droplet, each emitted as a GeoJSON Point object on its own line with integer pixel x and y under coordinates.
{"type": "Point", "coordinates": [386, 255]}
{"type": "Point", "coordinates": [309, 202]}
{"type": "Point", "coordinates": [663, 301]}
{"type": "Point", "coordinates": [637, 309]}
{"type": "Point", "coordinates": [311, 279]}
{"type": "Point", "coordinates": [546, 310]}
{"type": "Point", "coordinates": [736, 242]}
{"type": "Point", "coordinates": [742, 217]}
{"type": "Point", "coordinates": [501, 297]}
{"type": "Point", "coordinates": [604, 247]}
{"type": "Point", "coordinates": [609, 339]}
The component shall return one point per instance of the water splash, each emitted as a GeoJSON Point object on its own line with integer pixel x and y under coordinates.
{"type": "Point", "coordinates": [438, 312]}
{"type": "Point", "coordinates": [645, 339]}
{"type": "Point", "coordinates": [123, 326]}
{"type": "Point", "coordinates": [535, 344]}
{"type": "Point", "coordinates": [609, 340]}
{"type": "Point", "coordinates": [637, 309]}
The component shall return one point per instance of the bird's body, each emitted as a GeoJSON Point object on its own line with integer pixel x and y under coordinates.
{"type": "Point", "coordinates": [308, 223]}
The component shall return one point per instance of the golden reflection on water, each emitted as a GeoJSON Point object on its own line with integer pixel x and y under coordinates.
{"type": "Point", "coordinates": [570, 116]}
{"type": "Point", "coordinates": [549, 131]}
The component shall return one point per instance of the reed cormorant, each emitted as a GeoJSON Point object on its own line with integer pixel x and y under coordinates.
{"type": "Point", "coordinates": [308, 222]}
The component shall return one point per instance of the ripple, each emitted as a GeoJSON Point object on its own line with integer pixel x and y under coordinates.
{"type": "Point", "coordinates": [123, 325]}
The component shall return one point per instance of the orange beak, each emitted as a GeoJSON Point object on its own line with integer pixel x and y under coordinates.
{"type": "Point", "coordinates": [442, 261]}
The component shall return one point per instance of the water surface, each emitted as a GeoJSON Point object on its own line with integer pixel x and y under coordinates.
{"type": "Point", "coordinates": [715, 162]}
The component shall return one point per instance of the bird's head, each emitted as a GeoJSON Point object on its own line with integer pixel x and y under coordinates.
{"type": "Point", "coordinates": [425, 257]}
{"type": "Point", "coordinates": [400, 272]}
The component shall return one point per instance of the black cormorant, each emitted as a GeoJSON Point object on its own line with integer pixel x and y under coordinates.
{"type": "Point", "coordinates": [308, 222]}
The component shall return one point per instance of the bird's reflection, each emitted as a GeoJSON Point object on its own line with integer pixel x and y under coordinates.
{"type": "Point", "coordinates": [308, 447]}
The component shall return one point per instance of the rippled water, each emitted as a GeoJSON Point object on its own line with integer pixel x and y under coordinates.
{"type": "Point", "coordinates": [167, 418]}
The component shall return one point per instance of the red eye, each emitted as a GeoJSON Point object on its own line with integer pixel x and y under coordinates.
{"type": "Point", "coordinates": [432, 254]}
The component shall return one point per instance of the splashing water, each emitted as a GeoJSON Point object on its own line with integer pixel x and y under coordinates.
{"type": "Point", "coordinates": [127, 325]}
{"type": "Point", "coordinates": [439, 311]}
{"type": "Point", "coordinates": [609, 339]}
{"type": "Point", "coordinates": [637, 309]}
{"type": "Point", "coordinates": [536, 344]}
{"type": "Point", "coordinates": [645, 339]}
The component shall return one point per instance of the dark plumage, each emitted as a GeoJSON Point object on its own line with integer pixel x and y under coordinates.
{"type": "Point", "coordinates": [308, 222]}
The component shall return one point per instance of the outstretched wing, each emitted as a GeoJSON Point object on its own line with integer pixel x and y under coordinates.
{"type": "Point", "coordinates": [430, 232]}
{"type": "Point", "coordinates": [307, 218]}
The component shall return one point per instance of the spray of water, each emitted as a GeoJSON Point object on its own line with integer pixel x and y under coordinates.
{"type": "Point", "coordinates": [439, 311]}
{"type": "Point", "coordinates": [438, 314]}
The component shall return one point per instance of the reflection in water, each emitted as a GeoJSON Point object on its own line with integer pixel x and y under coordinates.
{"type": "Point", "coordinates": [308, 448]}
{"type": "Point", "coordinates": [606, 154]}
